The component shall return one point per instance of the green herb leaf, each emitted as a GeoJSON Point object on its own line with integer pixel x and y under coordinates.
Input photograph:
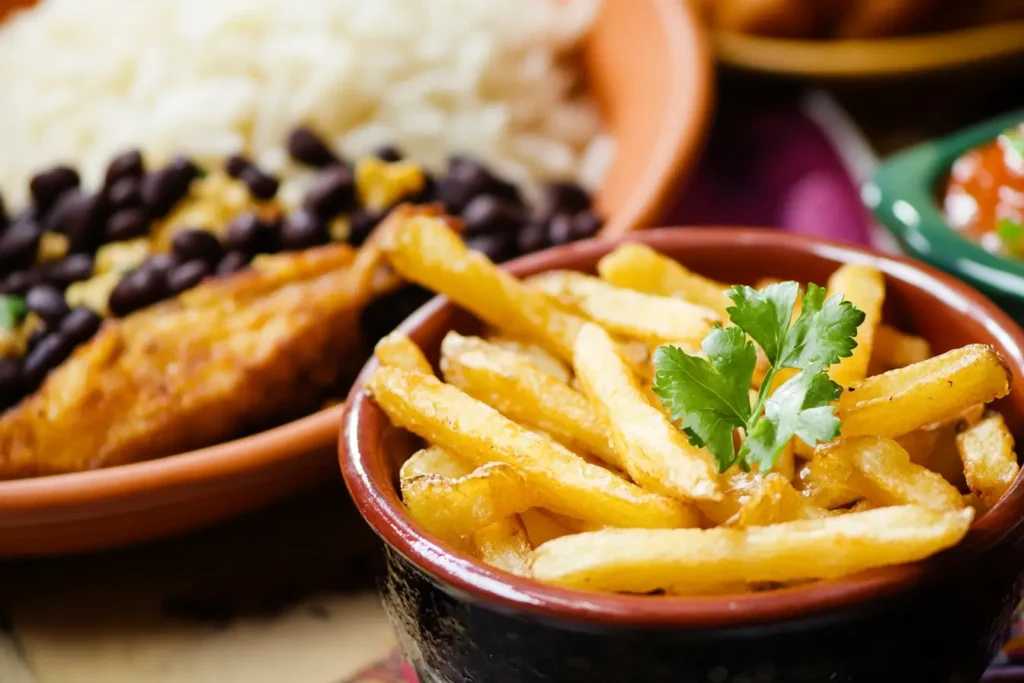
{"type": "Point", "coordinates": [12, 311]}
{"type": "Point", "coordinates": [1015, 139]}
{"type": "Point", "coordinates": [710, 398]}
{"type": "Point", "coordinates": [1011, 233]}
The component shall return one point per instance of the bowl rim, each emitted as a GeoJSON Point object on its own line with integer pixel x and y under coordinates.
{"type": "Point", "coordinates": [378, 502]}
{"type": "Point", "coordinates": [685, 121]}
{"type": "Point", "coordinates": [678, 142]}
{"type": "Point", "coordinates": [901, 193]}
{"type": "Point", "coordinates": [872, 57]}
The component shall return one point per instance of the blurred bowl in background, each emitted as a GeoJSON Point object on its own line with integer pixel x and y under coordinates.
{"type": "Point", "coordinates": [650, 69]}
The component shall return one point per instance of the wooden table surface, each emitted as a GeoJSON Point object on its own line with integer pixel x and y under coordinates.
{"type": "Point", "coordinates": [282, 595]}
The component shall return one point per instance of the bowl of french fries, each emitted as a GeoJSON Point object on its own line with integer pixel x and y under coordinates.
{"type": "Point", "coordinates": [710, 454]}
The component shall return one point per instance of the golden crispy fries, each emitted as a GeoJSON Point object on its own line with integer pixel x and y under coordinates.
{"type": "Point", "coordinates": [637, 266]}
{"type": "Point", "coordinates": [423, 249]}
{"type": "Point", "coordinates": [505, 545]}
{"type": "Point", "coordinates": [864, 287]}
{"type": "Point", "coordinates": [786, 462]}
{"type": "Point", "coordinates": [397, 350]}
{"type": "Point", "coordinates": [655, 453]}
{"type": "Point", "coordinates": [737, 488]}
{"type": "Point", "coordinates": [640, 561]}
{"type": "Point", "coordinates": [990, 463]}
{"type": "Point", "coordinates": [775, 501]}
{"type": "Point", "coordinates": [935, 390]}
{"type": "Point", "coordinates": [541, 526]}
{"type": "Point", "coordinates": [863, 506]}
{"type": "Point", "coordinates": [627, 312]}
{"type": "Point", "coordinates": [521, 391]}
{"type": "Point", "coordinates": [563, 481]}
{"type": "Point", "coordinates": [825, 481]}
{"type": "Point", "coordinates": [459, 507]}
{"type": "Point", "coordinates": [434, 460]}
{"type": "Point", "coordinates": [895, 349]}
{"type": "Point", "coordinates": [541, 358]}
{"type": "Point", "coordinates": [883, 473]}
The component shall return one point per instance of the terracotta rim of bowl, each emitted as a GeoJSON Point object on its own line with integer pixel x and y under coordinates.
{"type": "Point", "coordinates": [222, 460]}
{"type": "Point", "coordinates": [686, 120]}
{"type": "Point", "coordinates": [379, 504]}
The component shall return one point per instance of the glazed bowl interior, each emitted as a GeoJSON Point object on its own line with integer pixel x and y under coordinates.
{"type": "Point", "coordinates": [650, 69]}
{"type": "Point", "coordinates": [919, 299]}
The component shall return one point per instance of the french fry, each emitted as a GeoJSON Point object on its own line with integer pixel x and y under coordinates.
{"type": "Point", "coordinates": [541, 358]}
{"type": "Point", "coordinates": [637, 266]}
{"type": "Point", "coordinates": [626, 312]}
{"type": "Point", "coordinates": [423, 249]}
{"type": "Point", "coordinates": [542, 527]}
{"type": "Point", "coordinates": [456, 508]}
{"type": "Point", "coordinates": [737, 488]}
{"type": "Point", "coordinates": [990, 463]}
{"type": "Point", "coordinates": [883, 473]}
{"type": "Point", "coordinates": [775, 501]}
{"type": "Point", "coordinates": [641, 561]}
{"type": "Point", "coordinates": [864, 287]}
{"type": "Point", "coordinates": [433, 460]}
{"type": "Point", "coordinates": [656, 454]}
{"type": "Point", "coordinates": [935, 390]}
{"type": "Point", "coordinates": [397, 350]}
{"type": "Point", "coordinates": [864, 506]}
{"type": "Point", "coordinates": [562, 481]}
{"type": "Point", "coordinates": [785, 464]}
{"type": "Point", "coordinates": [825, 482]}
{"type": "Point", "coordinates": [521, 391]}
{"type": "Point", "coordinates": [505, 545]}
{"type": "Point", "coordinates": [894, 349]}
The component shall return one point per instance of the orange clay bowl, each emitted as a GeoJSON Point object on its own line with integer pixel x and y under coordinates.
{"type": "Point", "coordinates": [938, 620]}
{"type": "Point", "coordinates": [650, 68]}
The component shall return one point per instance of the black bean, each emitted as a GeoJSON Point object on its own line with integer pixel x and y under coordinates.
{"type": "Point", "coordinates": [18, 246]}
{"type": "Point", "coordinates": [585, 224]}
{"type": "Point", "coordinates": [10, 381]}
{"type": "Point", "coordinates": [37, 336]}
{"type": "Point", "coordinates": [498, 247]}
{"type": "Point", "coordinates": [560, 229]}
{"type": "Point", "coordinates": [487, 213]}
{"type": "Point", "coordinates": [196, 244]}
{"type": "Point", "coordinates": [237, 163]}
{"type": "Point", "coordinates": [332, 192]}
{"type": "Point", "coordinates": [261, 185]}
{"type": "Point", "coordinates": [302, 230]}
{"type": "Point", "coordinates": [138, 289]}
{"type": "Point", "coordinates": [361, 224]}
{"type": "Point", "coordinates": [19, 282]}
{"type": "Point", "coordinates": [126, 224]}
{"type": "Point", "coordinates": [125, 165]}
{"type": "Point", "coordinates": [162, 189]}
{"type": "Point", "coordinates": [555, 198]}
{"type": "Point", "coordinates": [57, 217]}
{"type": "Point", "coordinates": [81, 324]}
{"type": "Point", "coordinates": [70, 269]}
{"type": "Point", "coordinates": [306, 147]}
{"type": "Point", "coordinates": [531, 238]}
{"type": "Point", "coordinates": [47, 355]}
{"type": "Point", "coordinates": [388, 153]}
{"type": "Point", "coordinates": [184, 168]}
{"type": "Point", "coordinates": [232, 262]}
{"type": "Point", "coordinates": [125, 194]}
{"type": "Point", "coordinates": [465, 180]}
{"type": "Point", "coordinates": [47, 186]}
{"type": "Point", "coordinates": [429, 192]}
{"type": "Point", "coordinates": [84, 224]}
{"type": "Point", "coordinates": [48, 303]}
{"type": "Point", "coordinates": [160, 264]}
{"type": "Point", "coordinates": [187, 275]}
{"type": "Point", "coordinates": [248, 233]}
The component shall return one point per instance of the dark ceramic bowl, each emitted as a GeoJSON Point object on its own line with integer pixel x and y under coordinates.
{"type": "Point", "coordinates": [905, 194]}
{"type": "Point", "coordinates": [940, 620]}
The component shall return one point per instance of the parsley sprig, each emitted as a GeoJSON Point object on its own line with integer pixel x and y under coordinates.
{"type": "Point", "coordinates": [711, 398]}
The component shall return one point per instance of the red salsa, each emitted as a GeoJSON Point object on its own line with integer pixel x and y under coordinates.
{"type": "Point", "coordinates": [984, 197]}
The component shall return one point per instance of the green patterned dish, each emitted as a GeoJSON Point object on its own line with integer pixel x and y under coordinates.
{"type": "Point", "coordinates": [904, 194]}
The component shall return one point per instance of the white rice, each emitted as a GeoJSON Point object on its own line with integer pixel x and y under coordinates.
{"type": "Point", "coordinates": [82, 81]}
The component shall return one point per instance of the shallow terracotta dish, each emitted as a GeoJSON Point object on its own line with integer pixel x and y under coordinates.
{"type": "Point", "coordinates": [941, 620]}
{"type": "Point", "coordinates": [650, 68]}
{"type": "Point", "coordinates": [901, 57]}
